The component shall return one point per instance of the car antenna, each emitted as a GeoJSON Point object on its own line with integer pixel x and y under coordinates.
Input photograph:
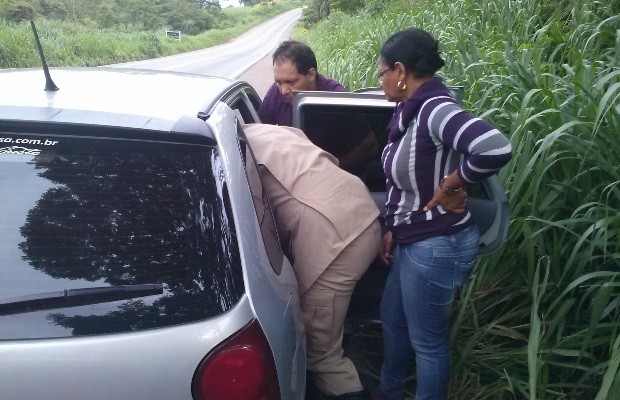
{"type": "Point", "coordinates": [49, 83]}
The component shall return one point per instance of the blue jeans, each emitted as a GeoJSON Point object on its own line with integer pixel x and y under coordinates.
{"type": "Point", "coordinates": [415, 308]}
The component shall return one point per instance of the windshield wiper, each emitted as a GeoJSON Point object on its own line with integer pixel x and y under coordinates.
{"type": "Point", "coordinates": [76, 297]}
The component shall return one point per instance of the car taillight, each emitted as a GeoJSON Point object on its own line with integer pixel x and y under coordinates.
{"type": "Point", "coordinates": [240, 368]}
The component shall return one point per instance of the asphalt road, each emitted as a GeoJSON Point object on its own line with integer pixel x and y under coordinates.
{"type": "Point", "coordinates": [247, 57]}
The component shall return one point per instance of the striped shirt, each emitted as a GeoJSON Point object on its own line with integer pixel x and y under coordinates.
{"type": "Point", "coordinates": [441, 138]}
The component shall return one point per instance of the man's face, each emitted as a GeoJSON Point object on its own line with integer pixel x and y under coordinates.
{"type": "Point", "coordinates": [288, 78]}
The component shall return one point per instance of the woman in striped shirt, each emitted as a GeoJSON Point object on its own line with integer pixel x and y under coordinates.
{"type": "Point", "coordinates": [434, 148]}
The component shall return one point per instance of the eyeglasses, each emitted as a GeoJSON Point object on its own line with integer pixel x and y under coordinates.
{"type": "Point", "coordinates": [379, 74]}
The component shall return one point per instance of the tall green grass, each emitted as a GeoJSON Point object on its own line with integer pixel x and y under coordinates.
{"type": "Point", "coordinates": [539, 319]}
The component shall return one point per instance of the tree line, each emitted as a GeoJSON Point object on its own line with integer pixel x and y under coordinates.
{"type": "Point", "coordinates": [189, 16]}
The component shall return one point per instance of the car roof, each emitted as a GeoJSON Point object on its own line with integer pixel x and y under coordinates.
{"type": "Point", "coordinates": [130, 98]}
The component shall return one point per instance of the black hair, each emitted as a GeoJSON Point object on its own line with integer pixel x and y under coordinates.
{"type": "Point", "coordinates": [416, 49]}
{"type": "Point", "coordinates": [299, 54]}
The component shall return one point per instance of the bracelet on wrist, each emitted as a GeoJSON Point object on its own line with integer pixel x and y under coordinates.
{"type": "Point", "coordinates": [447, 190]}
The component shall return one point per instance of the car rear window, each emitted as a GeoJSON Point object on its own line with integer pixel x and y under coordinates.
{"type": "Point", "coordinates": [109, 235]}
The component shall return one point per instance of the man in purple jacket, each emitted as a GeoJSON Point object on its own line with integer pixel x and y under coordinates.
{"type": "Point", "coordinates": [295, 68]}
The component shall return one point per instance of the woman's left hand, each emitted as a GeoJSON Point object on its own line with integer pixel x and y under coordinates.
{"type": "Point", "coordinates": [386, 252]}
{"type": "Point", "coordinates": [452, 203]}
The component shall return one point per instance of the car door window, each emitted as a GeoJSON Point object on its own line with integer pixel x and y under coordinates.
{"type": "Point", "coordinates": [244, 107]}
{"type": "Point", "coordinates": [262, 206]}
{"type": "Point", "coordinates": [341, 129]}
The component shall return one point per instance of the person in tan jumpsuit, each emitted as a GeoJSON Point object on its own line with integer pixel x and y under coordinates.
{"type": "Point", "coordinates": [329, 229]}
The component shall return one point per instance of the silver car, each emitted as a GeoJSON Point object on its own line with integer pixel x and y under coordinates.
{"type": "Point", "coordinates": [137, 261]}
{"type": "Point", "coordinates": [132, 263]}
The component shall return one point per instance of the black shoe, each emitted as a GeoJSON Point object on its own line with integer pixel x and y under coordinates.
{"type": "Point", "coordinates": [361, 395]}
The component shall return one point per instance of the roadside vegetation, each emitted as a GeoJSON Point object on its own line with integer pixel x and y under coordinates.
{"type": "Point", "coordinates": [539, 319]}
{"type": "Point", "coordinates": [93, 32]}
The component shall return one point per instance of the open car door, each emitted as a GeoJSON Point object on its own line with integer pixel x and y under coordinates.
{"type": "Point", "coordinates": [337, 121]}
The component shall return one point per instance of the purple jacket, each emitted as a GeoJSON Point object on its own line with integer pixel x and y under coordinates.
{"type": "Point", "coordinates": [275, 110]}
{"type": "Point", "coordinates": [441, 137]}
